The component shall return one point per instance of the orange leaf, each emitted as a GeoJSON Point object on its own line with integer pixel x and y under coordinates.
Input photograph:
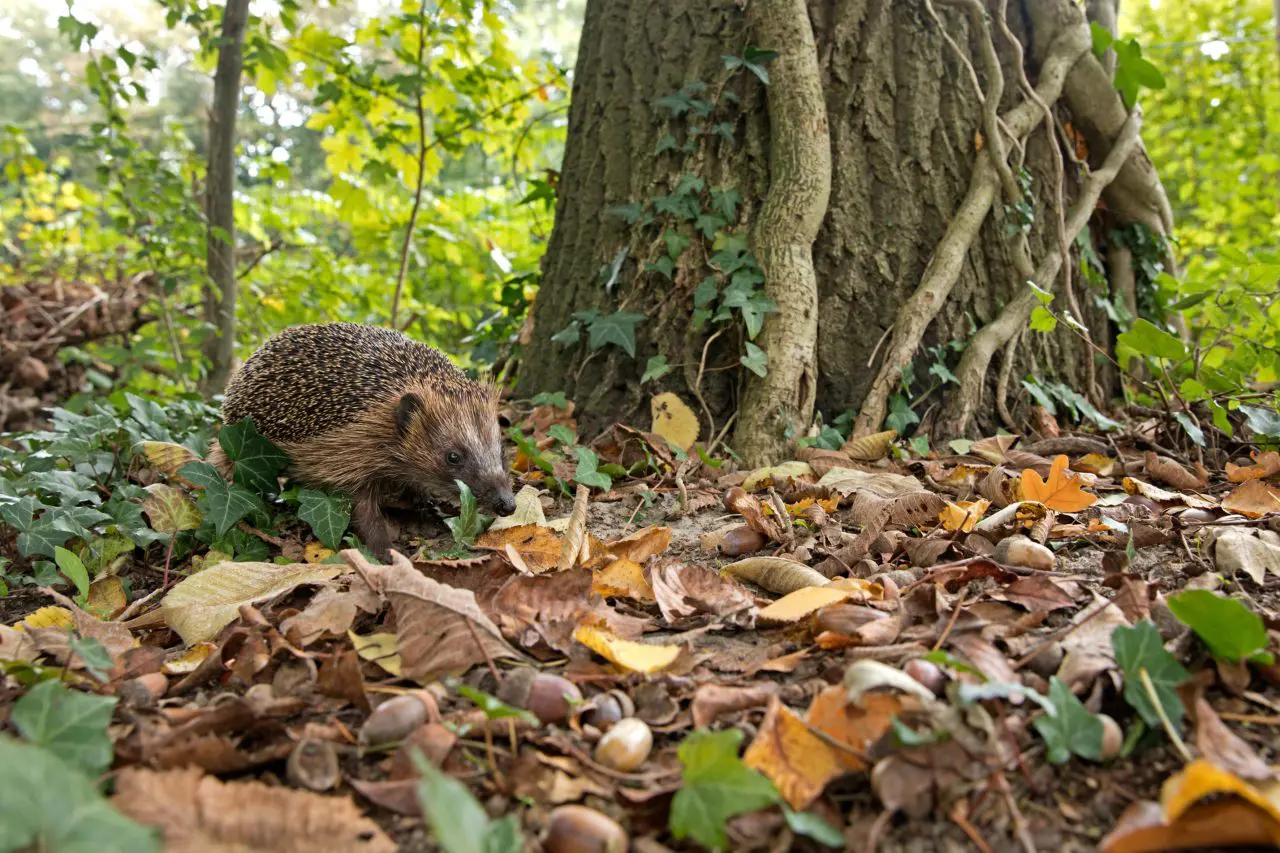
{"type": "Point", "coordinates": [624, 578]}
{"type": "Point", "coordinates": [796, 760]}
{"type": "Point", "coordinates": [1268, 465]}
{"type": "Point", "coordinates": [1061, 492]}
{"type": "Point", "coordinates": [858, 726]}
{"type": "Point", "coordinates": [1245, 814]}
{"type": "Point", "coordinates": [963, 515]}
{"type": "Point", "coordinates": [538, 546]}
{"type": "Point", "coordinates": [1254, 499]}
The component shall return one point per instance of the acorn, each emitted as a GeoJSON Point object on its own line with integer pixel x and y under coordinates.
{"type": "Point", "coordinates": [578, 829]}
{"type": "Point", "coordinates": [31, 372]}
{"type": "Point", "coordinates": [927, 673]}
{"type": "Point", "coordinates": [549, 697]}
{"type": "Point", "coordinates": [1112, 738]}
{"type": "Point", "coordinates": [393, 720]}
{"type": "Point", "coordinates": [626, 746]}
{"type": "Point", "coordinates": [1021, 551]}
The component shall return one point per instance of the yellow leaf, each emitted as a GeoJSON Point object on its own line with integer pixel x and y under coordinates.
{"type": "Point", "coordinates": [794, 606]}
{"type": "Point", "coordinates": [776, 475]}
{"type": "Point", "coordinates": [538, 546]}
{"type": "Point", "coordinates": [167, 457]}
{"type": "Point", "coordinates": [639, 546]}
{"type": "Point", "coordinates": [106, 597]}
{"type": "Point", "coordinates": [1095, 463]}
{"type": "Point", "coordinates": [623, 578]}
{"type": "Point", "coordinates": [190, 660]}
{"type": "Point", "coordinates": [378, 648]}
{"type": "Point", "coordinates": [314, 552]}
{"type": "Point", "coordinates": [860, 589]}
{"type": "Point", "coordinates": [1061, 492]}
{"type": "Point", "coordinates": [963, 515]}
{"type": "Point", "coordinates": [47, 617]}
{"type": "Point", "coordinates": [626, 654]}
{"type": "Point", "coordinates": [1268, 465]}
{"type": "Point", "coordinates": [798, 762]}
{"type": "Point", "coordinates": [674, 421]}
{"type": "Point", "coordinates": [869, 448]}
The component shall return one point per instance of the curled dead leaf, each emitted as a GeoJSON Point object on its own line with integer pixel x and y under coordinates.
{"type": "Point", "coordinates": [776, 574]}
{"type": "Point", "coordinates": [869, 448]}
{"type": "Point", "coordinates": [1265, 465]}
{"type": "Point", "coordinates": [1253, 499]}
{"type": "Point", "coordinates": [1171, 473]}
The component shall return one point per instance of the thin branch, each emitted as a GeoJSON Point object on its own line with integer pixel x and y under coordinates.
{"type": "Point", "coordinates": [422, 161]}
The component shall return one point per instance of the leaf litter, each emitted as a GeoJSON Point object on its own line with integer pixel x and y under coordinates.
{"type": "Point", "coordinates": [1006, 641]}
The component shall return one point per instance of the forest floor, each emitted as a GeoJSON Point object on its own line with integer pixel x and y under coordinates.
{"type": "Point", "coordinates": [1004, 649]}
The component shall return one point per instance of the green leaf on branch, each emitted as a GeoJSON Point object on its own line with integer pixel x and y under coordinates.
{"type": "Point", "coordinates": [70, 724]}
{"type": "Point", "coordinates": [1231, 630]}
{"type": "Point", "coordinates": [655, 368]}
{"type": "Point", "coordinates": [1144, 338]}
{"type": "Point", "coordinates": [255, 460]}
{"type": "Point", "coordinates": [1069, 729]}
{"type": "Point", "coordinates": [756, 360]}
{"type": "Point", "coordinates": [717, 786]}
{"type": "Point", "coordinates": [1139, 649]}
{"type": "Point", "coordinates": [588, 473]}
{"type": "Point", "coordinates": [618, 329]}
{"type": "Point", "coordinates": [1043, 320]}
{"type": "Point", "coordinates": [329, 515]}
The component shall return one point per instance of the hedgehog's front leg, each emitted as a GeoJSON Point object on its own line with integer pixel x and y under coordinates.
{"type": "Point", "coordinates": [371, 524]}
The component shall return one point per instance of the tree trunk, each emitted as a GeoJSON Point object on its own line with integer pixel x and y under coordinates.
{"type": "Point", "coordinates": [919, 213]}
{"type": "Point", "coordinates": [220, 292]}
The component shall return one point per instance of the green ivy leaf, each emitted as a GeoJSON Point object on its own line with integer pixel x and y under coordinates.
{"type": "Point", "coordinates": [570, 334]}
{"type": "Point", "coordinates": [1043, 320]}
{"type": "Point", "coordinates": [458, 821]}
{"type": "Point", "coordinates": [329, 515]}
{"type": "Point", "coordinates": [255, 460]}
{"type": "Point", "coordinates": [70, 724]}
{"type": "Point", "coordinates": [45, 804]}
{"type": "Point", "coordinates": [1069, 729]}
{"type": "Point", "coordinates": [170, 510]}
{"type": "Point", "coordinates": [618, 328]}
{"type": "Point", "coordinates": [812, 826]}
{"type": "Point", "coordinates": [556, 399]}
{"type": "Point", "coordinates": [663, 267]}
{"type": "Point", "coordinates": [562, 434]}
{"type": "Point", "coordinates": [756, 360]}
{"type": "Point", "coordinates": [1189, 426]}
{"type": "Point", "coordinates": [201, 474]}
{"type": "Point", "coordinates": [79, 521]}
{"type": "Point", "coordinates": [588, 473]}
{"type": "Point", "coordinates": [655, 368]}
{"type": "Point", "coordinates": [707, 290]}
{"type": "Point", "coordinates": [717, 786]}
{"type": "Point", "coordinates": [225, 504]}
{"type": "Point", "coordinates": [469, 522]}
{"type": "Point", "coordinates": [1231, 630]}
{"type": "Point", "coordinates": [1139, 648]}
{"type": "Point", "coordinates": [95, 657]}
{"type": "Point", "coordinates": [628, 213]}
{"type": "Point", "coordinates": [1102, 38]}
{"type": "Point", "coordinates": [1147, 339]}
{"type": "Point", "coordinates": [1262, 421]}
{"type": "Point", "coordinates": [676, 244]}
{"type": "Point", "coordinates": [493, 707]}
{"type": "Point", "coordinates": [71, 566]}
{"type": "Point", "coordinates": [20, 512]}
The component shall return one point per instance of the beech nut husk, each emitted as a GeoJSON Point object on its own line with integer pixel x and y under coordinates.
{"type": "Point", "coordinates": [313, 765]}
{"type": "Point", "coordinates": [604, 709]}
{"type": "Point", "coordinates": [393, 720]}
{"type": "Point", "coordinates": [578, 829]}
{"type": "Point", "coordinates": [626, 746]}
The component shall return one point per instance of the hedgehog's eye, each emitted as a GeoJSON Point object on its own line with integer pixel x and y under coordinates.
{"type": "Point", "coordinates": [453, 457]}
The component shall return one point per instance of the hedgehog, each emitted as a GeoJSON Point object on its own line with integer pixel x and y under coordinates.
{"type": "Point", "coordinates": [372, 413]}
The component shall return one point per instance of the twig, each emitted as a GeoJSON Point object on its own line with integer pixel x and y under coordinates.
{"type": "Point", "coordinates": [422, 160]}
{"type": "Point", "coordinates": [493, 669]}
{"type": "Point", "coordinates": [951, 622]}
{"type": "Point", "coordinates": [1154, 698]}
{"type": "Point", "coordinates": [958, 818]}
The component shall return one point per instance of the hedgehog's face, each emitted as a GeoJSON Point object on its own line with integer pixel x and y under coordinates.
{"type": "Point", "coordinates": [454, 440]}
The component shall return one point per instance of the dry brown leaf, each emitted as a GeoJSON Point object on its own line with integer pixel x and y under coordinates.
{"type": "Point", "coordinates": [1134, 486]}
{"type": "Point", "coordinates": [713, 701]}
{"type": "Point", "coordinates": [1265, 465]}
{"type": "Point", "coordinates": [1095, 463]}
{"type": "Point", "coordinates": [674, 420]}
{"type": "Point", "coordinates": [577, 546]}
{"type": "Point", "coordinates": [440, 630]}
{"type": "Point", "coordinates": [1239, 549]}
{"type": "Point", "coordinates": [113, 636]}
{"type": "Point", "coordinates": [848, 481]}
{"type": "Point", "coordinates": [332, 612]}
{"type": "Point", "coordinates": [798, 762]}
{"type": "Point", "coordinates": [624, 578]}
{"type": "Point", "coordinates": [1171, 473]}
{"type": "Point", "coordinates": [1088, 649]}
{"type": "Point", "coordinates": [858, 726]}
{"type": "Point", "coordinates": [1060, 492]}
{"type": "Point", "coordinates": [683, 590]}
{"type": "Point", "coordinates": [993, 449]}
{"type": "Point", "coordinates": [1223, 748]}
{"type": "Point", "coordinates": [639, 546]}
{"type": "Point", "coordinates": [1132, 599]}
{"type": "Point", "coordinates": [794, 606]}
{"type": "Point", "coordinates": [1037, 593]}
{"type": "Point", "coordinates": [626, 654]}
{"type": "Point", "coordinates": [776, 574]}
{"type": "Point", "coordinates": [544, 608]}
{"type": "Point", "coordinates": [539, 547]}
{"type": "Point", "coordinates": [199, 814]}
{"type": "Point", "coordinates": [1254, 499]}
{"type": "Point", "coordinates": [869, 448]}
{"type": "Point", "coordinates": [776, 475]}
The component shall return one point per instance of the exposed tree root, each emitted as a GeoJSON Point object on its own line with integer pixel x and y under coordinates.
{"type": "Point", "coordinates": [940, 276]}
{"type": "Point", "coordinates": [783, 233]}
{"type": "Point", "coordinates": [976, 360]}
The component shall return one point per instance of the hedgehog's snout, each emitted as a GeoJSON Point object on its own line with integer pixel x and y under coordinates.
{"type": "Point", "coordinates": [497, 497]}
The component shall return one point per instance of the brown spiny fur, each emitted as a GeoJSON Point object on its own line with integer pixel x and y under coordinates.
{"type": "Point", "coordinates": [370, 412]}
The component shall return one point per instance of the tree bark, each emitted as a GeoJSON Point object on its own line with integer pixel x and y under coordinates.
{"type": "Point", "coordinates": [220, 292]}
{"type": "Point", "coordinates": [904, 102]}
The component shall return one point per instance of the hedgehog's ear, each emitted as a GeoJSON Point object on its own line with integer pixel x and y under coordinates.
{"type": "Point", "coordinates": [411, 406]}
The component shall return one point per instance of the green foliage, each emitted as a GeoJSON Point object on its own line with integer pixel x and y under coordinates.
{"type": "Point", "coordinates": [588, 472]}
{"type": "Point", "coordinates": [469, 522]}
{"type": "Point", "coordinates": [1133, 72]}
{"type": "Point", "coordinates": [493, 707]}
{"type": "Point", "coordinates": [1069, 729]}
{"type": "Point", "coordinates": [458, 821]}
{"type": "Point", "coordinates": [67, 723]}
{"type": "Point", "coordinates": [1141, 649]}
{"type": "Point", "coordinates": [255, 460]}
{"type": "Point", "coordinates": [1231, 630]}
{"type": "Point", "coordinates": [329, 515]}
{"type": "Point", "coordinates": [48, 804]}
{"type": "Point", "coordinates": [717, 786]}
{"type": "Point", "coordinates": [73, 569]}
{"type": "Point", "coordinates": [655, 368]}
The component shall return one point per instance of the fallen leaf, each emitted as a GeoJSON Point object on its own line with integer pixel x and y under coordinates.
{"type": "Point", "coordinates": [776, 574]}
{"type": "Point", "coordinates": [379, 648]}
{"type": "Point", "coordinates": [331, 612]}
{"type": "Point", "coordinates": [623, 578]}
{"type": "Point", "coordinates": [1135, 486]}
{"type": "Point", "coordinates": [869, 448]}
{"type": "Point", "coordinates": [683, 590]}
{"type": "Point", "coordinates": [1265, 465]}
{"type": "Point", "coordinates": [1037, 593]}
{"type": "Point", "coordinates": [528, 511]}
{"type": "Point", "coordinates": [190, 659]}
{"type": "Point", "coordinates": [1240, 814]}
{"type": "Point", "coordinates": [847, 481]}
{"type": "Point", "coordinates": [1239, 549]}
{"type": "Point", "coordinates": [798, 762]}
{"type": "Point", "coordinates": [626, 654]}
{"type": "Point", "coordinates": [107, 597]}
{"type": "Point", "coordinates": [167, 457]}
{"type": "Point", "coordinates": [539, 547]}
{"type": "Point", "coordinates": [201, 605]}
{"type": "Point", "coordinates": [963, 515]}
{"type": "Point", "coordinates": [49, 616]}
{"type": "Point", "coordinates": [199, 814]}
{"type": "Point", "coordinates": [639, 546]}
{"type": "Point", "coordinates": [544, 609]}
{"type": "Point", "coordinates": [1254, 499]}
{"type": "Point", "coordinates": [1088, 650]}
{"type": "Point", "coordinates": [1225, 749]}
{"type": "Point", "coordinates": [857, 725]}
{"type": "Point", "coordinates": [170, 510]}
{"type": "Point", "coordinates": [673, 420]}
{"type": "Point", "coordinates": [1171, 473]}
{"type": "Point", "coordinates": [796, 605]}
{"type": "Point", "coordinates": [713, 701]}
{"type": "Point", "coordinates": [776, 475]}
{"type": "Point", "coordinates": [1095, 463]}
{"type": "Point", "coordinates": [1060, 492]}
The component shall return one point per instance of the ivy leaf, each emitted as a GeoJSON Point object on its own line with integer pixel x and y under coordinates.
{"type": "Point", "coordinates": [71, 566]}
{"type": "Point", "coordinates": [329, 515]}
{"type": "Point", "coordinates": [709, 224]}
{"type": "Point", "coordinates": [676, 243]}
{"type": "Point", "coordinates": [707, 290]}
{"type": "Point", "coordinates": [41, 539]}
{"type": "Point", "coordinates": [809, 824]}
{"type": "Point", "coordinates": [570, 334]}
{"type": "Point", "coordinates": [717, 786]}
{"type": "Point", "coordinates": [901, 415]}
{"type": "Point", "coordinates": [77, 520]}
{"type": "Point", "coordinates": [628, 213]}
{"type": "Point", "coordinates": [756, 59]}
{"type": "Point", "coordinates": [255, 460]}
{"type": "Point", "coordinates": [588, 473]}
{"type": "Point", "coordinates": [1231, 630]}
{"type": "Point", "coordinates": [1042, 320]}
{"type": "Point", "coordinates": [655, 368]}
{"type": "Point", "coordinates": [663, 267]}
{"type": "Point", "coordinates": [1147, 339]}
{"type": "Point", "coordinates": [1141, 648]}
{"type": "Point", "coordinates": [1262, 421]}
{"type": "Point", "coordinates": [666, 143]}
{"type": "Point", "coordinates": [1189, 426]}
{"type": "Point", "coordinates": [469, 522]}
{"type": "Point", "coordinates": [70, 724]}
{"type": "Point", "coordinates": [725, 202]}
{"type": "Point", "coordinates": [556, 400]}
{"type": "Point", "coordinates": [225, 504]}
{"type": "Point", "coordinates": [756, 360]}
{"type": "Point", "coordinates": [1069, 728]}
{"type": "Point", "coordinates": [170, 510]}
{"type": "Point", "coordinates": [1102, 38]}
{"type": "Point", "coordinates": [45, 804]}
{"type": "Point", "coordinates": [618, 328]}
{"type": "Point", "coordinates": [20, 513]}
{"type": "Point", "coordinates": [95, 657]}
{"type": "Point", "coordinates": [201, 474]}
{"type": "Point", "coordinates": [458, 821]}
